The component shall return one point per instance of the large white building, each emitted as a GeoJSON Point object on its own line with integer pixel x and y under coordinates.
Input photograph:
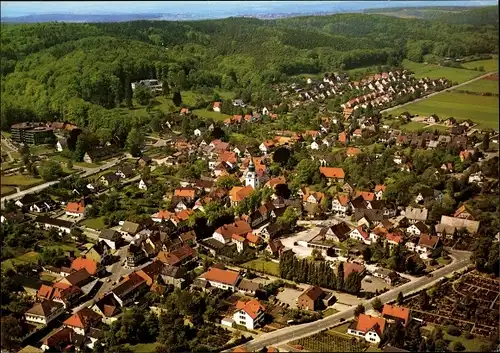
{"type": "Point", "coordinates": [249, 314]}
{"type": "Point", "coordinates": [371, 328]}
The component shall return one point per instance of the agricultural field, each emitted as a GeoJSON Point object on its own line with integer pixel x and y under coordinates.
{"type": "Point", "coordinates": [434, 71]}
{"type": "Point", "coordinates": [488, 64]}
{"type": "Point", "coordinates": [461, 106]}
{"type": "Point", "coordinates": [330, 341]}
{"type": "Point", "coordinates": [21, 180]}
{"type": "Point", "coordinates": [470, 303]}
{"type": "Point", "coordinates": [486, 85]}
{"type": "Point", "coordinates": [261, 265]}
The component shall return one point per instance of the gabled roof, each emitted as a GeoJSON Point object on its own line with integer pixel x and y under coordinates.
{"type": "Point", "coordinates": [221, 276]}
{"type": "Point", "coordinates": [399, 312]}
{"type": "Point", "coordinates": [185, 192]}
{"type": "Point", "coordinates": [366, 323]}
{"type": "Point", "coordinates": [252, 307]}
{"type": "Point", "coordinates": [239, 228]}
{"type": "Point", "coordinates": [313, 293]}
{"type": "Point", "coordinates": [44, 308]}
{"type": "Point", "coordinates": [128, 284]}
{"type": "Point", "coordinates": [176, 256]}
{"type": "Point", "coordinates": [108, 305]}
{"type": "Point", "coordinates": [366, 195]}
{"type": "Point", "coordinates": [350, 267]}
{"type": "Point", "coordinates": [76, 207]}
{"type": "Point", "coordinates": [238, 193]}
{"type": "Point", "coordinates": [428, 241]}
{"type": "Point", "coordinates": [130, 227]}
{"type": "Point", "coordinates": [83, 263]}
{"type": "Point", "coordinates": [418, 214]}
{"type": "Point", "coordinates": [332, 172]}
{"type": "Point", "coordinates": [84, 318]}
{"type": "Point", "coordinates": [77, 277]}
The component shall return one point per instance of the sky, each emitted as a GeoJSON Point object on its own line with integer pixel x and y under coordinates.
{"type": "Point", "coordinates": [23, 8]}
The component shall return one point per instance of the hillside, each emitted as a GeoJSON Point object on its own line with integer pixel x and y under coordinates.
{"type": "Point", "coordinates": [82, 72]}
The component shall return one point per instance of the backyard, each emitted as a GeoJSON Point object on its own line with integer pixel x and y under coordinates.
{"type": "Point", "coordinates": [20, 180]}
{"type": "Point", "coordinates": [94, 223]}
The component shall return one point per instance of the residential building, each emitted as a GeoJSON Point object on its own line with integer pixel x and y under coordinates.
{"type": "Point", "coordinates": [417, 228]}
{"type": "Point", "coordinates": [415, 215]}
{"type": "Point", "coordinates": [427, 244]}
{"type": "Point", "coordinates": [396, 313]}
{"type": "Point", "coordinates": [333, 174]}
{"type": "Point", "coordinates": [107, 307]}
{"type": "Point", "coordinates": [129, 289]}
{"type": "Point", "coordinates": [82, 321]}
{"type": "Point", "coordinates": [224, 234]}
{"type": "Point", "coordinates": [178, 257]}
{"type": "Point", "coordinates": [48, 222]}
{"type": "Point", "coordinates": [44, 312]}
{"type": "Point", "coordinates": [249, 314]}
{"type": "Point", "coordinates": [173, 275]}
{"type": "Point", "coordinates": [224, 279]}
{"type": "Point", "coordinates": [75, 209]}
{"type": "Point", "coordinates": [111, 237]}
{"type": "Point", "coordinates": [337, 233]}
{"type": "Point", "coordinates": [91, 266]}
{"type": "Point", "coordinates": [371, 328]}
{"type": "Point", "coordinates": [310, 299]}
{"type": "Point", "coordinates": [340, 205]}
{"type": "Point", "coordinates": [248, 287]}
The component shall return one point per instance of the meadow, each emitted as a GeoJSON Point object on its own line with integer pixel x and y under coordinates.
{"type": "Point", "coordinates": [434, 71]}
{"type": "Point", "coordinates": [488, 64]}
{"type": "Point", "coordinates": [481, 86]}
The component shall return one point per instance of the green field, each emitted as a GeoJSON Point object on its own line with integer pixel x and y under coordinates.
{"type": "Point", "coordinates": [329, 311]}
{"type": "Point", "coordinates": [461, 106]}
{"type": "Point", "coordinates": [210, 114]}
{"type": "Point", "coordinates": [28, 258]}
{"type": "Point", "coordinates": [94, 223]}
{"type": "Point", "coordinates": [481, 86]}
{"type": "Point", "coordinates": [143, 347]}
{"type": "Point", "coordinates": [261, 265]}
{"type": "Point", "coordinates": [435, 71]}
{"type": "Point", "coordinates": [7, 190]}
{"type": "Point", "coordinates": [488, 64]}
{"type": "Point", "coordinates": [413, 126]}
{"type": "Point", "coordinates": [20, 180]}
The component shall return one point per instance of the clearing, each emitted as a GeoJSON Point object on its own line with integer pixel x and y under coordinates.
{"type": "Point", "coordinates": [481, 109]}
{"type": "Point", "coordinates": [203, 113]}
{"type": "Point", "coordinates": [261, 265]}
{"type": "Point", "coordinates": [435, 71]}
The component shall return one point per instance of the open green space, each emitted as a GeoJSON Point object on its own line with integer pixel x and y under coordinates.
{"type": "Point", "coordinates": [143, 347]}
{"type": "Point", "coordinates": [488, 64]}
{"type": "Point", "coordinates": [261, 265]}
{"type": "Point", "coordinates": [329, 311]}
{"type": "Point", "coordinates": [94, 223]}
{"type": "Point", "coordinates": [20, 180]}
{"type": "Point", "coordinates": [480, 109]}
{"type": "Point", "coordinates": [59, 158]}
{"type": "Point", "coordinates": [28, 258]}
{"type": "Point", "coordinates": [434, 71]}
{"type": "Point", "coordinates": [38, 150]}
{"type": "Point", "coordinates": [7, 190]}
{"type": "Point", "coordinates": [413, 126]}
{"type": "Point", "coordinates": [210, 114]}
{"type": "Point", "coordinates": [481, 86]}
{"type": "Point", "coordinates": [48, 278]}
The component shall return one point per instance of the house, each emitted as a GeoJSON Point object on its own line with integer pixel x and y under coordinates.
{"type": "Point", "coordinates": [99, 252]}
{"type": "Point", "coordinates": [143, 185]}
{"type": "Point", "coordinates": [351, 267]}
{"type": "Point", "coordinates": [173, 275]}
{"type": "Point", "coordinates": [187, 193]}
{"type": "Point", "coordinates": [352, 151]}
{"type": "Point", "coordinates": [135, 254]}
{"type": "Point", "coordinates": [366, 195]}
{"type": "Point", "coordinates": [266, 146]}
{"type": "Point", "coordinates": [130, 228]}
{"type": "Point", "coordinates": [125, 171]}
{"type": "Point", "coordinates": [224, 234]}
{"type": "Point", "coordinates": [43, 206]}
{"type": "Point", "coordinates": [178, 257]}
{"type": "Point", "coordinates": [216, 107]}
{"type": "Point", "coordinates": [99, 154]}
{"type": "Point", "coordinates": [129, 289]}
{"type": "Point", "coordinates": [109, 178]}
{"type": "Point", "coordinates": [476, 178]}
{"type": "Point", "coordinates": [249, 314]}
{"type": "Point", "coordinates": [333, 174]}
{"type": "Point", "coordinates": [415, 215]}
{"type": "Point", "coordinates": [108, 308]}
{"type": "Point", "coordinates": [82, 262]}
{"type": "Point", "coordinates": [379, 191]}
{"type": "Point", "coordinates": [44, 312]}
{"type": "Point", "coordinates": [62, 293]}
{"type": "Point", "coordinates": [75, 209]}
{"type": "Point", "coordinates": [427, 244]}
{"type": "Point", "coordinates": [275, 248]}
{"type": "Point", "coordinates": [77, 278]}
{"type": "Point", "coordinates": [111, 237]}
{"type": "Point", "coordinates": [310, 299]}
{"type": "Point", "coordinates": [223, 279]}
{"type": "Point", "coordinates": [396, 313]}
{"type": "Point", "coordinates": [464, 212]}
{"type": "Point", "coordinates": [447, 167]}
{"type": "Point", "coordinates": [248, 287]}
{"type": "Point", "coordinates": [417, 229]}
{"type": "Point", "coordinates": [471, 226]}
{"type": "Point", "coordinates": [337, 233]}
{"type": "Point", "coordinates": [48, 222]}
{"type": "Point", "coordinates": [184, 111]}
{"type": "Point", "coordinates": [238, 193]}
{"type": "Point", "coordinates": [341, 205]}
{"type": "Point", "coordinates": [371, 328]}
{"type": "Point", "coordinates": [432, 119]}
{"type": "Point", "coordinates": [82, 321]}
{"type": "Point", "coordinates": [389, 277]}
{"type": "Point", "coordinates": [144, 161]}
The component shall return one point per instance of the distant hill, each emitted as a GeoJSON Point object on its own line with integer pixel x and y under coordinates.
{"type": "Point", "coordinates": [76, 18]}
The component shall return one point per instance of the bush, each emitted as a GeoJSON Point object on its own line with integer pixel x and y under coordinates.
{"type": "Point", "coordinates": [458, 346]}
{"type": "Point", "coordinates": [468, 335]}
{"type": "Point", "coordinates": [453, 331]}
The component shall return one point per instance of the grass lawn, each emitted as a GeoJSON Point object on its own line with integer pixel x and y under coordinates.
{"type": "Point", "coordinates": [20, 180]}
{"type": "Point", "coordinates": [435, 71]}
{"type": "Point", "coordinates": [210, 114]}
{"type": "Point", "coordinates": [28, 258]}
{"type": "Point", "coordinates": [461, 106]}
{"type": "Point", "coordinates": [143, 347]}
{"type": "Point", "coordinates": [262, 265]}
{"type": "Point", "coordinates": [7, 190]}
{"type": "Point", "coordinates": [341, 328]}
{"type": "Point", "coordinates": [443, 261]}
{"type": "Point", "coordinates": [6, 134]}
{"type": "Point", "coordinates": [439, 128]}
{"type": "Point", "coordinates": [413, 126]}
{"type": "Point", "coordinates": [94, 223]}
{"type": "Point", "coordinates": [48, 278]}
{"type": "Point", "coordinates": [38, 150]}
{"type": "Point", "coordinates": [329, 311]}
{"type": "Point", "coordinates": [488, 64]}
{"type": "Point", "coordinates": [483, 85]}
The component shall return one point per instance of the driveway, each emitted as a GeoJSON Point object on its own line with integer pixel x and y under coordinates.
{"type": "Point", "coordinates": [289, 296]}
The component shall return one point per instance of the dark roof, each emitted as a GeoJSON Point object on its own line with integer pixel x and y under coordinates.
{"type": "Point", "coordinates": [247, 285]}
{"type": "Point", "coordinates": [173, 271]}
{"type": "Point", "coordinates": [340, 229]}
{"type": "Point", "coordinates": [370, 215]}
{"type": "Point", "coordinates": [359, 202]}
{"type": "Point", "coordinates": [102, 152]}
{"type": "Point", "coordinates": [422, 227]}
{"type": "Point", "coordinates": [132, 282]}
{"type": "Point", "coordinates": [110, 176]}
{"type": "Point", "coordinates": [313, 293]}
{"type": "Point", "coordinates": [53, 221]}
{"type": "Point", "coordinates": [109, 234]}
{"type": "Point", "coordinates": [78, 277]}
{"type": "Point", "coordinates": [130, 227]}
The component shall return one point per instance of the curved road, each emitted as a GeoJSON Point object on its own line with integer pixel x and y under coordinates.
{"type": "Point", "coordinates": [460, 262]}
{"type": "Point", "coordinates": [436, 93]}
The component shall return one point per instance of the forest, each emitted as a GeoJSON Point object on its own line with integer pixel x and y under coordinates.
{"type": "Point", "coordinates": [81, 73]}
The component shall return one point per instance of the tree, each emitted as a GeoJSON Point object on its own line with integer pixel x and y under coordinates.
{"type": "Point", "coordinates": [367, 254]}
{"type": "Point", "coordinates": [288, 218]}
{"type": "Point", "coordinates": [11, 330]}
{"type": "Point", "coordinates": [50, 170]}
{"type": "Point", "coordinates": [135, 141]}
{"type": "Point", "coordinates": [377, 304]}
{"type": "Point", "coordinates": [177, 98]}
{"type": "Point", "coordinates": [142, 94]}
{"type": "Point", "coordinates": [400, 298]}
{"type": "Point", "coordinates": [69, 164]}
{"type": "Point", "coordinates": [227, 181]}
{"type": "Point", "coordinates": [340, 276]}
{"type": "Point", "coordinates": [360, 309]}
{"type": "Point", "coordinates": [453, 330]}
{"type": "Point", "coordinates": [423, 300]}
{"type": "Point", "coordinates": [281, 156]}
{"type": "Point", "coordinates": [486, 141]}
{"type": "Point", "coordinates": [282, 190]}
{"type": "Point", "coordinates": [458, 346]}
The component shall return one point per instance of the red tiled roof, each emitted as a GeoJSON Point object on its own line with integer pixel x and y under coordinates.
{"type": "Point", "coordinates": [238, 193]}
{"type": "Point", "coordinates": [217, 104]}
{"type": "Point", "coordinates": [252, 307]}
{"type": "Point", "coordinates": [185, 192]}
{"type": "Point", "coordinates": [353, 151]}
{"type": "Point", "coordinates": [428, 240]}
{"type": "Point", "coordinates": [343, 199]}
{"type": "Point", "coordinates": [83, 319]}
{"type": "Point", "coordinates": [399, 312]}
{"type": "Point", "coordinates": [45, 292]}
{"type": "Point", "coordinates": [239, 228]}
{"type": "Point", "coordinates": [82, 262]}
{"type": "Point", "coordinates": [367, 323]}
{"type": "Point", "coordinates": [332, 172]}
{"type": "Point", "coordinates": [367, 196]}
{"type": "Point", "coordinates": [350, 267]}
{"type": "Point", "coordinates": [253, 238]}
{"type": "Point", "coordinates": [380, 187]}
{"type": "Point", "coordinates": [275, 181]}
{"type": "Point", "coordinates": [76, 207]}
{"type": "Point", "coordinates": [221, 276]}
{"type": "Point", "coordinates": [394, 237]}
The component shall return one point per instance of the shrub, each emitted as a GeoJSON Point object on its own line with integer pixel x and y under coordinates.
{"type": "Point", "coordinates": [453, 331]}
{"type": "Point", "coordinates": [458, 346]}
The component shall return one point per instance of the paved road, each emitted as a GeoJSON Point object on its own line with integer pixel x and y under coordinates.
{"type": "Point", "coordinates": [460, 262]}
{"type": "Point", "coordinates": [436, 93]}
{"type": "Point", "coordinates": [89, 172]}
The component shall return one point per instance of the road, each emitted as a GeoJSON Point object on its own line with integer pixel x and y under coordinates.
{"type": "Point", "coordinates": [436, 93]}
{"type": "Point", "coordinates": [285, 335]}
{"type": "Point", "coordinates": [89, 172]}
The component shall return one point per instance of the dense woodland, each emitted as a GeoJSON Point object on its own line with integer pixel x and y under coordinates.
{"type": "Point", "coordinates": [82, 72]}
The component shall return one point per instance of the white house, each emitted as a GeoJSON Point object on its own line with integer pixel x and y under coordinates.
{"type": "Point", "coordinates": [142, 185]}
{"type": "Point", "coordinates": [417, 229]}
{"type": "Point", "coordinates": [398, 159]}
{"type": "Point", "coordinates": [340, 205]}
{"type": "Point", "coordinates": [265, 111]}
{"type": "Point", "coordinates": [249, 314]}
{"type": "Point", "coordinates": [371, 328]}
{"type": "Point", "coordinates": [426, 244]}
{"type": "Point", "coordinates": [360, 235]}
{"type": "Point", "coordinates": [197, 132]}
{"type": "Point", "coordinates": [476, 178]}
{"type": "Point", "coordinates": [44, 312]}
{"type": "Point", "coordinates": [314, 145]}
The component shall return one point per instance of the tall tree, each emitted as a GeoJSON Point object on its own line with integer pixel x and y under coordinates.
{"type": "Point", "coordinates": [486, 141]}
{"type": "Point", "coordinates": [135, 141]}
{"type": "Point", "coordinates": [177, 98]}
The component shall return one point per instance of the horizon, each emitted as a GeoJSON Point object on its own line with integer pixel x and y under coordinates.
{"type": "Point", "coordinates": [11, 9]}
